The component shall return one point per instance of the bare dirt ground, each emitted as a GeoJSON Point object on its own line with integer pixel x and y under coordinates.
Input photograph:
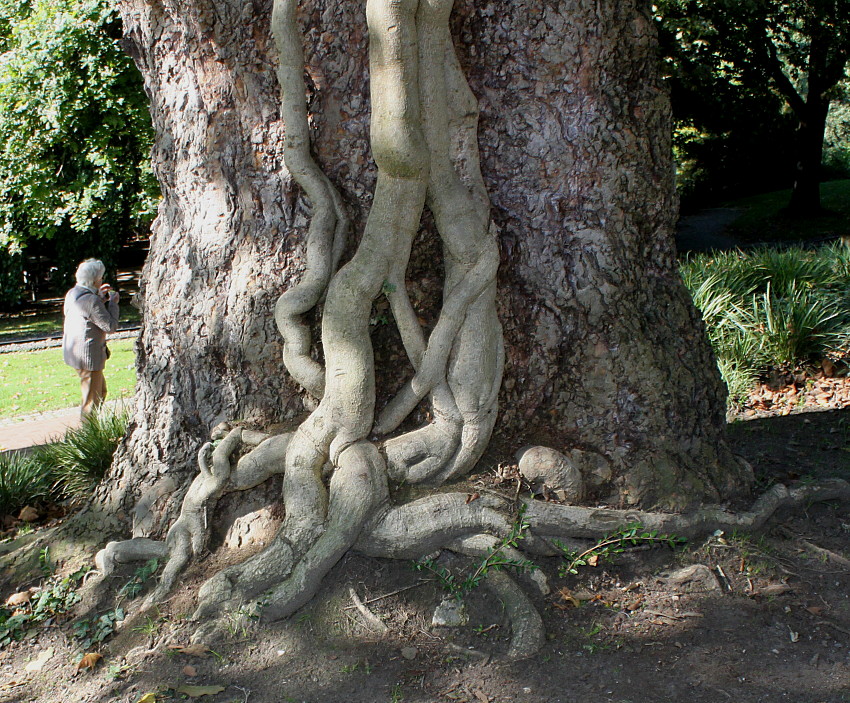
{"type": "Point", "coordinates": [762, 617]}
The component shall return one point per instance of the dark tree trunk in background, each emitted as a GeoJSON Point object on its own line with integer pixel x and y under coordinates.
{"type": "Point", "coordinates": [605, 353]}
{"type": "Point", "coordinates": [805, 195]}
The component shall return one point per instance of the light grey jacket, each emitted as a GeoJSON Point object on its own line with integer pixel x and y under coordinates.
{"type": "Point", "coordinates": [87, 320]}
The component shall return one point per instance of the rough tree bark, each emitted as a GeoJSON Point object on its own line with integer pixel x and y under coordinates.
{"type": "Point", "coordinates": [605, 352]}
{"type": "Point", "coordinates": [605, 355]}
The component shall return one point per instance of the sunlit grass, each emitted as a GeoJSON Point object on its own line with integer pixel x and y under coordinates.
{"type": "Point", "coordinates": [766, 309]}
{"type": "Point", "coordinates": [37, 381]}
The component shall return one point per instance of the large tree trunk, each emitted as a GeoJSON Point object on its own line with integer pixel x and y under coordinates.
{"type": "Point", "coordinates": [606, 356]}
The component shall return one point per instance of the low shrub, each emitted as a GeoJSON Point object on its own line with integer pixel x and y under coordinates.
{"type": "Point", "coordinates": [771, 308]}
{"type": "Point", "coordinates": [11, 277]}
{"type": "Point", "coordinates": [799, 326]}
{"type": "Point", "coordinates": [23, 481]}
{"type": "Point", "coordinates": [81, 459]}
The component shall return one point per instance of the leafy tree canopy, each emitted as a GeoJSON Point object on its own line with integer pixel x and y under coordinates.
{"type": "Point", "coordinates": [761, 68]}
{"type": "Point", "coordinates": [75, 132]}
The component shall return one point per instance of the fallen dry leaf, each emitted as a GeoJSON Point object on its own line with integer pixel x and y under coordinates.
{"type": "Point", "coordinates": [14, 684]}
{"type": "Point", "coordinates": [28, 514]}
{"type": "Point", "coordinates": [593, 560]}
{"type": "Point", "coordinates": [568, 600]}
{"type": "Point", "coordinates": [198, 691]}
{"type": "Point", "coordinates": [634, 604]}
{"type": "Point", "coordinates": [147, 698]}
{"type": "Point", "coordinates": [815, 610]}
{"type": "Point", "coordinates": [584, 595]}
{"type": "Point", "coordinates": [190, 670]}
{"type": "Point", "coordinates": [192, 650]}
{"type": "Point", "coordinates": [480, 696]}
{"type": "Point", "coordinates": [18, 598]}
{"type": "Point", "coordinates": [472, 496]}
{"type": "Point", "coordinates": [89, 661]}
{"type": "Point", "coordinates": [773, 589]}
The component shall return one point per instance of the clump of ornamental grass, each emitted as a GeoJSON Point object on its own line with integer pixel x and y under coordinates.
{"type": "Point", "coordinates": [23, 481]}
{"type": "Point", "coordinates": [80, 460]}
{"type": "Point", "coordinates": [770, 309]}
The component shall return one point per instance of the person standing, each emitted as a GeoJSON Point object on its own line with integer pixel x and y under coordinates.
{"type": "Point", "coordinates": [91, 310]}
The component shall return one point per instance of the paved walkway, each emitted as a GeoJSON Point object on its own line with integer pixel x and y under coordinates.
{"type": "Point", "coordinates": [33, 430]}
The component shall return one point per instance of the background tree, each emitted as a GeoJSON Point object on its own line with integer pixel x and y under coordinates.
{"type": "Point", "coordinates": [733, 61]}
{"type": "Point", "coordinates": [75, 134]}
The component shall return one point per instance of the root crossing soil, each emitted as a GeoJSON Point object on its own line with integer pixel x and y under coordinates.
{"type": "Point", "coordinates": [738, 617]}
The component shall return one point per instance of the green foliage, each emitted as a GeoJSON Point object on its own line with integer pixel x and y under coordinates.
{"type": "Point", "coordinates": [81, 459]}
{"type": "Point", "coordinates": [58, 595]}
{"type": "Point", "coordinates": [769, 309]}
{"type": "Point", "coordinates": [95, 631]}
{"type": "Point", "coordinates": [44, 561]}
{"type": "Point", "coordinates": [837, 140]}
{"type": "Point", "coordinates": [744, 76]}
{"type": "Point", "coordinates": [23, 481]}
{"type": "Point", "coordinates": [136, 585]}
{"type": "Point", "coordinates": [75, 132]}
{"type": "Point", "coordinates": [459, 585]}
{"type": "Point", "coordinates": [55, 598]}
{"type": "Point", "coordinates": [615, 543]}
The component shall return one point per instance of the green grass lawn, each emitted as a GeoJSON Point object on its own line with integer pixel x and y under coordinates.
{"type": "Point", "coordinates": [37, 381]}
{"type": "Point", "coordinates": [33, 324]}
{"type": "Point", "coordinates": [764, 218]}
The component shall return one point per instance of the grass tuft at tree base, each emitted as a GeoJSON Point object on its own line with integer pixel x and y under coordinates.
{"type": "Point", "coordinates": [80, 460]}
{"type": "Point", "coordinates": [23, 481]}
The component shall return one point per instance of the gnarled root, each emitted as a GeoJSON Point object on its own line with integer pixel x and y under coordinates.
{"type": "Point", "coordinates": [422, 132]}
{"type": "Point", "coordinates": [188, 536]}
{"type": "Point", "coordinates": [356, 486]}
{"type": "Point", "coordinates": [551, 520]}
{"type": "Point", "coordinates": [527, 632]}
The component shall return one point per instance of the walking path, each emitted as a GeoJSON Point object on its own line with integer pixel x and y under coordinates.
{"type": "Point", "coordinates": [34, 430]}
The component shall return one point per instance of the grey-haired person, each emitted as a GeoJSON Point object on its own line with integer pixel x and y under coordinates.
{"type": "Point", "coordinates": [91, 310]}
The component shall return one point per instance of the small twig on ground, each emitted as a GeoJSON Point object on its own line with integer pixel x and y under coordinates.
{"type": "Point", "coordinates": [419, 583]}
{"type": "Point", "coordinates": [372, 620]}
{"type": "Point", "coordinates": [463, 650]}
{"type": "Point", "coordinates": [678, 616]}
{"type": "Point", "coordinates": [827, 553]}
{"type": "Point", "coordinates": [724, 579]}
{"type": "Point", "coordinates": [833, 626]}
{"type": "Point", "coordinates": [720, 690]}
{"type": "Point", "coordinates": [245, 692]}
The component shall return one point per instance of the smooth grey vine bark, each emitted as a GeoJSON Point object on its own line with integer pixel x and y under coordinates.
{"type": "Point", "coordinates": [413, 70]}
{"type": "Point", "coordinates": [606, 353]}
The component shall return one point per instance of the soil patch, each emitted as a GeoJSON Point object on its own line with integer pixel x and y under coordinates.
{"type": "Point", "coordinates": [740, 617]}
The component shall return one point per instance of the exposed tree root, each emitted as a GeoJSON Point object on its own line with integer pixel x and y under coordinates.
{"type": "Point", "coordinates": [421, 105]}
{"type": "Point", "coordinates": [410, 531]}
